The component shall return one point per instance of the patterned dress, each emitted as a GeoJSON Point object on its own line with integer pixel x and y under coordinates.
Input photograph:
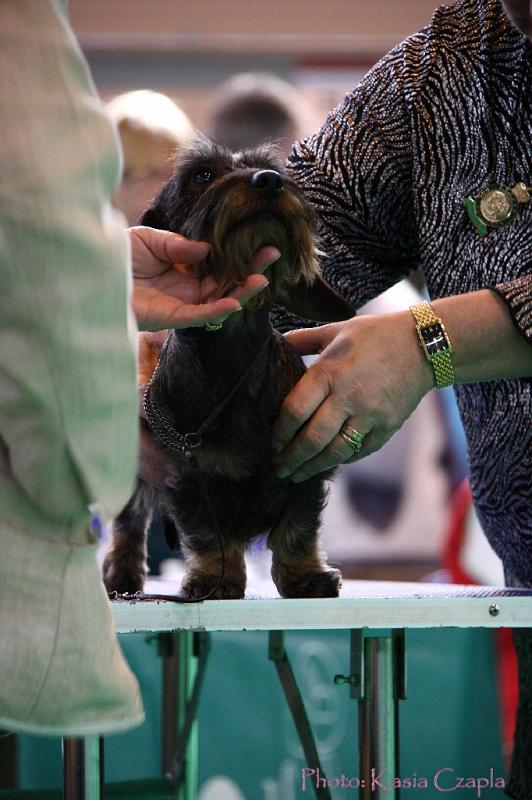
{"type": "Point", "coordinates": [443, 116]}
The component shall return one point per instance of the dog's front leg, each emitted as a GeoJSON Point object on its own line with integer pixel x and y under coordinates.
{"type": "Point", "coordinates": [204, 567]}
{"type": "Point", "coordinates": [299, 566]}
{"type": "Point", "coordinates": [124, 566]}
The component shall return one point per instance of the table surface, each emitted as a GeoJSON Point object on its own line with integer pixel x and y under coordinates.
{"type": "Point", "coordinates": [362, 604]}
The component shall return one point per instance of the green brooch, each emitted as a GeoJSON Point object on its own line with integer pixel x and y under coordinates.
{"type": "Point", "coordinates": [496, 206]}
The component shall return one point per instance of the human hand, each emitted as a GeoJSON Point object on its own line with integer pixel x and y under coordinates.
{"type": "Point", "coordinates": [167, 292]}
{"type": "Point", "coordinates": [371, 374]}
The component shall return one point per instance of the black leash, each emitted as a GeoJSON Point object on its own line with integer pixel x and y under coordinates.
{"type": "Point", "coordinates": [183, 444]}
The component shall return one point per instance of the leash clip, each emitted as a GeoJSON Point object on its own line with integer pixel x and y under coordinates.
{"type": "Point", "coordinates": [189, 441]}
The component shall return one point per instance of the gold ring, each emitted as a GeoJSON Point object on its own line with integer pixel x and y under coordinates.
{"type": "Point", "coordinates": [213, 326]}
{"type": "Point", "coordinates": [352, 437]}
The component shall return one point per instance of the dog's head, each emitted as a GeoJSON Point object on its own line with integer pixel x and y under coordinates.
{"type": "Point", "coordinates": [238, 203]}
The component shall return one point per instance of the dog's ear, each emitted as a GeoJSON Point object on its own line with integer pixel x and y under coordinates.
{"type": "Point", "coordinates": [152, 217]}
{"type": "Point", "coordinates": [317, 301]}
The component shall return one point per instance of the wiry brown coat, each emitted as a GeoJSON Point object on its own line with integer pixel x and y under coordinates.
{"type": "Point", "coordinates": [237, 203]}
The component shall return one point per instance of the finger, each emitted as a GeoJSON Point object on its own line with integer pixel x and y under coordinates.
{"type": "Point", "coordinates": [337, 452]}
{"type": "Point", "coordinates": [308, 341]}
{"type": "Point", "coordinates": [319, 437]}
{"type": "Point", "coordinates": [298, 406]}
{"type": "Point", "coordinates": [254, 283]}
{"type": "Point", "coordinates": [157, 311]}
{"type": "Point", "coordinates": [264, 257]}
{"type": "Point", "coordinates": [192, 316]}
{"type": "Point", "coordinates": [373, 442]}
{"type": "Point", "coordinates": [252, 286]}
{"type": "Point", "coordinates": [170, 247]}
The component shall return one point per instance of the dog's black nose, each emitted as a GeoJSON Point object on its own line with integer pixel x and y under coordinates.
{"type": "Point", "coordinates": [268, 181]}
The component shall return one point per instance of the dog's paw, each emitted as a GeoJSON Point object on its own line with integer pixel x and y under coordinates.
{"type": "Point", "coordinates": [122, 578]}
{"type": "Point", "coordinates": [316, 584]}
{"type": "Point", "coordinates": [197, 585]}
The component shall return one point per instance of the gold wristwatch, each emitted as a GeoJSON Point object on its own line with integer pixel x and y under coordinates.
{"type": "Point", "coordinates": [435, 343]}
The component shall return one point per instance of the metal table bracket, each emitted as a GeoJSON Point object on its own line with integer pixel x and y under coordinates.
{"type": "Point", "coordinates": [277, 654]}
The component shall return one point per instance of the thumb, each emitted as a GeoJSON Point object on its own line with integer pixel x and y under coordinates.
{"type": "Point", "coordinates": [309, 341]}
{"type": "Point", "coordinates": [171, 247]}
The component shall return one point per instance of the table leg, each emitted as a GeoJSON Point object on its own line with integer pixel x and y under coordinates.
{"type": "Point", "coordinates": [184, 655]}
{"type": "Point", "coordinates": [186, 665]}
{"type": "Point", "coordinates": [83, 768]}
{"type": "Point", "coordinates": [168, 651]}
{"type": "Point", "coordinates": [378, 718]}
{"type": "Point", "coordinates": [378, 682]}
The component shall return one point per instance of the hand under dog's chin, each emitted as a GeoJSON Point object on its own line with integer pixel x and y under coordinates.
{"type": "Point", "coordinates": [231, 266]}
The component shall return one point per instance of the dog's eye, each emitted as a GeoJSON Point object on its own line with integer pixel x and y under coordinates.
{"type": "Point", "coordinates": [203, 176]}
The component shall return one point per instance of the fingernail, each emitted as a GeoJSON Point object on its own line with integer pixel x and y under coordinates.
{"type": "Point", "coordinates": [276, 447]}
{"type": "Point", "coordinates": [237, 309]}
{"type": "Point", "coordinates": [260, 288]}
{"type": "Point", "coordinates": [283, 472]}
{"type": "Point", "coordinates": [275, 257]}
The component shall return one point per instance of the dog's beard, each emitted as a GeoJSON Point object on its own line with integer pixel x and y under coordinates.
{"type": "Point", "coordinates": [236, 226]}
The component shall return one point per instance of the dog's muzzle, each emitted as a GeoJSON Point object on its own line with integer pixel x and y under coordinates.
{"type": "Point", "coordinates": [268, 181]}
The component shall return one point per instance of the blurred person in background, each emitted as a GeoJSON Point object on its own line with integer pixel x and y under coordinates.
{"type": "Point", "coordinates": [252, 108]}
{"type": "Point", "coordinates": [152, 130]}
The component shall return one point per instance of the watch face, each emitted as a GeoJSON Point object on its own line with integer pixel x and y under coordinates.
{"type": "Point", "coordinates": [435, 339]}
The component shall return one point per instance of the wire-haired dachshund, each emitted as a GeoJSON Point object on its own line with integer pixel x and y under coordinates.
{"type": "Point", "coordinates": [209, 407]}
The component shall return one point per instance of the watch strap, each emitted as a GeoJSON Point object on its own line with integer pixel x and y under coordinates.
{"type": "Point", "coordinates": [423, 314]}
{"type": "Point", "coordinates": [443, 370]}
{"type": "Point", "coordinates": [441, 361]}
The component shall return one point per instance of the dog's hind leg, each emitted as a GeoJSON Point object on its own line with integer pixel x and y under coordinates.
{"type": "Point", "coordinates": [124, 566]}
{"type": "Point", "coordinates": [299, 566]}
